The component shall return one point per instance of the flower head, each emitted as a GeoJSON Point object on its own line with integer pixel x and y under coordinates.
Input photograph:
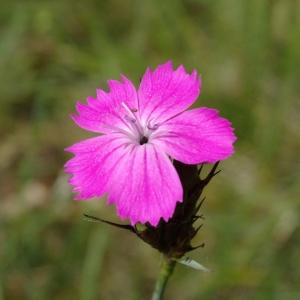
{"type": "Point", "coordinates": [141, 131]}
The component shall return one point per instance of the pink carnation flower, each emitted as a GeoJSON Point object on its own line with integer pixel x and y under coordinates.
{"type": "Point", "coordinates": [141, 132]}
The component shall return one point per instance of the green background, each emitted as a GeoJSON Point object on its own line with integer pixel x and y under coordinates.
{"type": "Point", "coordinates": [53, 53]}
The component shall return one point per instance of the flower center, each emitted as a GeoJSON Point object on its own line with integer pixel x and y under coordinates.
{"type": "Point", "coordinates": [143, 140]}
{"type": "Point", "coordinates": [140, 131]}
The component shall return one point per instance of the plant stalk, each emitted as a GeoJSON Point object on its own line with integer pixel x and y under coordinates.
{"type": "Point", "coordinates": [166, 270]}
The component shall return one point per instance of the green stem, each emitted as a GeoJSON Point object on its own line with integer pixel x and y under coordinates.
{"type": "Point", "coordinates": [166, 270]}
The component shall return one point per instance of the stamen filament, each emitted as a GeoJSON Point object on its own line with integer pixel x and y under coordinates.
{"type": "Point", "coordinates": [129, 111]}
{"type": "Point", "coordinates": [132, 118]}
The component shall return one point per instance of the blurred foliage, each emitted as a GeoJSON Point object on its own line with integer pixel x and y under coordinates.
{"type": "Point", "coordinates": [55, 52]}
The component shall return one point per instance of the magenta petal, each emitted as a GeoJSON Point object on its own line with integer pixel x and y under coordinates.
{"type": "Point", "coordinates": [165, 92]}
{"type": "Point", "coordinates": [131, 162]}
{"type": "Point", "coordinates": [105, 113]}
{"type": "Point", "coordinates": [197, 136]}
{"type": "Point", "coordinates": [94, 161]}
{"type": "Point", "coordinates": [145, 187]}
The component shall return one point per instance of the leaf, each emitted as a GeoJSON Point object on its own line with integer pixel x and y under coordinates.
{"type": "Point", "coordinates": [192, 264]}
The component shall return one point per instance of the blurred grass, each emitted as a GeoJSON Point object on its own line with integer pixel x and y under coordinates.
{"type": "Point", "coordinates": [55, 52]}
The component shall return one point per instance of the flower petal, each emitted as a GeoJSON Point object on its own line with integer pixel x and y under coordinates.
{"type": "Point", "coordinates": [105, 113]}
{"type": "Point", "coordinates": [197, 136]}
{"type": "Point", "coordinates": [94, 161]}
{"type": "Point", "coordinates": [145, 186]}
{"type": "Point", "coordinates": [140, 180]}
{"type": "Point", "coordinates": [163, 93]}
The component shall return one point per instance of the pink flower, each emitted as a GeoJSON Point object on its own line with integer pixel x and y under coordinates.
{"type": "Point", "coordinates": [141, 132]}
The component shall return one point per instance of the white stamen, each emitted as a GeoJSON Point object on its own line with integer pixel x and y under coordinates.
{"type": "Point", "coordinates": [154, 127]}
{"type": "Point", "coordinates": [133, 119]}
{"type": "Point", "coordinates": [129, 119]}
{"type": "Point", "coordinates": [129, 111]}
